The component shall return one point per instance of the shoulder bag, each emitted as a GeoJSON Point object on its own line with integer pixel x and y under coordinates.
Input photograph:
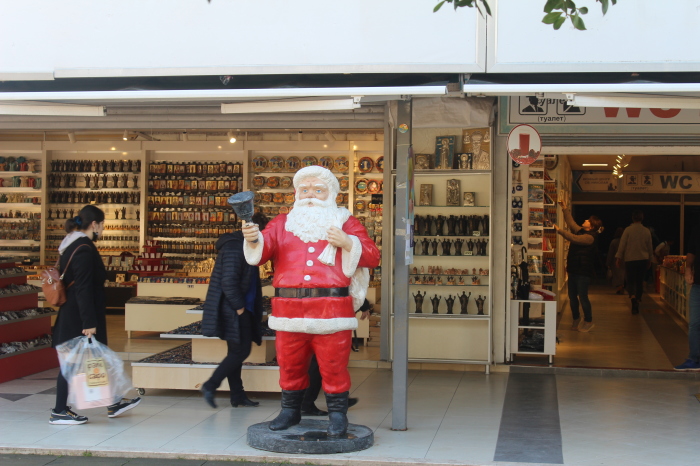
{"type": "Point", "coordinates": [52, 282]}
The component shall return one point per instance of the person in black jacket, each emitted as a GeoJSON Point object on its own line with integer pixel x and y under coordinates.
{"type": "Point", "coordinates": [580, 264]}
{"type": "Point", "coordinates": [233, 312]}
{"type": "Point", "coordinates": [83, 313]}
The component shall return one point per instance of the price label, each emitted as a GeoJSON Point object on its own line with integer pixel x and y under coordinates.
{"type": "Point", "coordinates": [96, 372]}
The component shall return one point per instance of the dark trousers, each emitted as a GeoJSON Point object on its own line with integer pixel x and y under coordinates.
{"type": "Point", "coordinates": [230, 368]}
{"type": "Point", "coordinates": [635, 271]}
{"type": "Point", "coordinates": [578, 293]}
{"type": "Point", "coordinates": [61, 393]}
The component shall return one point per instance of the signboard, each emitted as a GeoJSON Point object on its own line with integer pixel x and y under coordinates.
{"type": "Point", "coordinates": [594, 181]}
{"type": "Point", "coordinates": [636, 182]}
{"type": "Point", "coordinates": [524, 144]}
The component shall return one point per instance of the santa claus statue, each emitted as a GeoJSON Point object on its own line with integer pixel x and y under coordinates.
{"type": "Point", "coordinates": [321, 256]}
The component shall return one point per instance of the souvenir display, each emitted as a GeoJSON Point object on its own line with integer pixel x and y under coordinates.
{"type": "Point", "coordinates": [286, 182]}
{"type": "Point", "coordinates": [289, 198]}
{"type": "Point", "coordinates": [380, 164]}
{"type": "Point", "coordinates": [453, 192]}
{"type": "Point", "coordinates": [276, 163]}
{"type": "Point", "coordinates": [308, 161]}
{"type": "Point", "coordinates": [361, 186]}
{"type": "Point", "coordinates": [444, 152]}
{"type": "Point", "coordinates": [278, 198]}
{"type": "Point", "coordinates": [273, 182]}
{"type": "Point", "coordinates": [339, 198]}
{"type": "Point", "coordinates": [469, 199]}
{"type": "Point", "coordinates": [259, 181]}
{"type": "Point", "coordinates": [341, 163]}
{"type": "Point", "coordinates": [259, 163]}
{"type": "Point", "coordinates": [477, 142]}
{"type": "Point", "coordinates": [365, 165]}
{"type": "Point", "coordinates": [284, 209]}
{"type": "Point", "coordinates": [424, 161]}
{"type": "Point", "coordinates": [257, 197]}
{"type": "Point", "coordinates": [326, 162]}
{"type": "Point", "coordinates": [360, 206]}
{"type": "Point", "coordinates": [426, 194]}
{"type": "Point", "coordinates": [373, 187]}
{"type": "Point", "coordinates": [267, 197]}
{"type": "Point", "coordinates": [344, 182]}
{"type": "Point", "coordinates": [293, 163]}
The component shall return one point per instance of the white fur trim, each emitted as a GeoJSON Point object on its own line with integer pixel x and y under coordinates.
{"type": "Point", "coordinates": [312, 326]}
{"type": "Point", "coordinates": [358, 287]}
{"type": "Point", "coordinates": [253, 255]}
{"type": "Point", "coordinates": [352, 258]}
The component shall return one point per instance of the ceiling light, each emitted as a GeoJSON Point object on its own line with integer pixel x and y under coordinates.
{"type": "Point", "coordinates": [126, 135]}
{"type": "Point", "coordinates": [231, 137]}
{"type": "Point", "coordinates": [594, 164]}
{"type": "Point", "coordinates": [46, 109]}
{"type": "Point", "coordinates": [620, 175]}
{"type": "Point", "coordinates": [632, 101]}
{"type": "Point", "coordinates": [71, 136]}
{"type": "Point", "coordinates": [291, 106]}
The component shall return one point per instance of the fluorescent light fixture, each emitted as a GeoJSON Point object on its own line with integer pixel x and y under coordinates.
{"type": "Point", "coordinates": [231, 137]}
{"type": "Point", "coordinates": [594, 164]}
{"type": "Point", "coordinates": [47, 109]}
{"type": "Point", "coordinates": [632, 101]}
{"type": "Point", "coordinates": [282, 106]}
{"type": "Point", "coordinates": [126, 135]}
{"type": "Point", "coordinates": [71, 136]}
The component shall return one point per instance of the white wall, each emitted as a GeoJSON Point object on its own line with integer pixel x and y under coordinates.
{"type": "Point", "coordinates": [635, 35]}
{"type": "Point", "coordinates": [41, 39]}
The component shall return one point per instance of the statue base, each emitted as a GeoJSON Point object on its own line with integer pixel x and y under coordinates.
{"type": "Point", "coordinates": [309, 437]}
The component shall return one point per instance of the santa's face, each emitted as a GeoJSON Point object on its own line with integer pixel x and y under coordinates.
{"type": "Point", "coordinates": [313, 188]}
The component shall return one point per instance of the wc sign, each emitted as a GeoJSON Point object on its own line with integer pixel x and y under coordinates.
{"type": "Point", "coordinates": [682, 182]}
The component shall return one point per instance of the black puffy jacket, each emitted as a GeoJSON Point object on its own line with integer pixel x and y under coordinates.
{"type": "Point", "coordinates": [581, 259]}
{"type": "Point", "coordinates": [229, 283]}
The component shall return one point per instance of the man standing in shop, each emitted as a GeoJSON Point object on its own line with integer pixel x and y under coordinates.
{"type": "Point", "coordinates": [693, 280]}
{"type": "Point", "coordinates": [322, 255]}
{"type": "Point", "coordinates": [636, 253]}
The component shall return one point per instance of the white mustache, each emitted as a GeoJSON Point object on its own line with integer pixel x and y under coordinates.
{"type": "Point", "coordinates": [310, 201]}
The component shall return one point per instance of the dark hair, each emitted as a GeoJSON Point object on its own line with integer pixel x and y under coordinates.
{"type": "Point", "coordinates": [86, 216]}
{"type": "Point", "coordinates": [637, 215]}
{"type": "Point", "coordinates": [596, 223]}
{"type": "Point", "coordinates": [261, 219]}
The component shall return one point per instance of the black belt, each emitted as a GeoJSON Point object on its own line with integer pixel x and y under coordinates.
{"type": "Point", "coordinates": [311, 292]}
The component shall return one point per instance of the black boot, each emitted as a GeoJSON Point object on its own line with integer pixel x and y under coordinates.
{"type": "Point", "coordinates": [337, 414]}
{"type": "Point", "coordinates": [291, 410]}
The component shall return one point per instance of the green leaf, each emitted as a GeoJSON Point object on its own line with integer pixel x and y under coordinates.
{"type": "Point", "coordinates": [486, 7]}
{"type": "Point", "coordinates": [549, 6]}
{"type": "Point", "coordinates": [583, 10]}
{"type": "Point", "coordinates": [559, 22]}
{"type": "Point", "coordinates": [438, 6]}
{"type": "Point", "coordinates": [559, 4]}
{"type": "Point", "coordinates": [552, 17]}
{"type": "Point", "coordinates": [570, 5]}
{"type": "Point", "coordinates": [578, 22]}
{"type": "Point", "coordinates": [605, 5]}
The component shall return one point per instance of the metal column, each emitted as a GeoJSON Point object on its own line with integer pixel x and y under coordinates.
{"type": "Point", "coordinates": [401, 234]}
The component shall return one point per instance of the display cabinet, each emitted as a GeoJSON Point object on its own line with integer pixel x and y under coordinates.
{"type": "Point", "coordinates": [368, 199]}
{"type": "Point", "coordinates": [673, 288]}
{"type": "Point", "coordinates": [533, 332]}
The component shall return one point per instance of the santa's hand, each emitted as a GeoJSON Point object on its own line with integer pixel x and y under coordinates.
{"type": "Point", "coordinates": [339, 238]}
{"type": "Point", "coordinates": [250, 232]}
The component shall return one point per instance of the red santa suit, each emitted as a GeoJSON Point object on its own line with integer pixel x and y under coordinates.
{"type": "Point", "coordinates": [313, 311]}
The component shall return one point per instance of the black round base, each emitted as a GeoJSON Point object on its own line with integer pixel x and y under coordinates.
{"type": "Point", "coordinates": [309, 436]}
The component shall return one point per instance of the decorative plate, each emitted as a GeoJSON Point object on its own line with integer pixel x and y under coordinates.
{"type": "Point", "coordinates": [360, 206]}
{"type": "Point", "coordinates": [286, 182]}
{"type": "Point", "coordinates": [259, 163]}
{"type": "Point", "coordinates": [361, 186]}
{"type": "Point", "coordinates": [276, 163]}
{"type": "Point", "coordinates": [372, 187]}
{"type": "Point", "coordinates": [344, 182]}
{"type": "Point", "coordinates": [308, 161]}
{"type": "Point", "coordinates": [278, 198]}
{"type": "Point", "coordinates": [289, 198]}
{"type": "Point", "coordinates": [380, 164]}
{"type": "Point", "coordinates": [267, 197]}
{"type": "Point", "coordinates": [339, 198]}
{"type": "Point", "coordinates": [293, 163]}
{"type": "Point", "coordinates": [284, 209]}
{"type": "Point", "coordinates": [341, 163]}
{"type": "Point", "coordinates": [257, 198]}
{"type": "Point", "coordinates": [273, 182]}
{"type": "Point", "coordinates": [259, 181]}
{"type": "Point", "coordinates": [365, 165]}
{"type": "Point", "coordinates": [326, 162]}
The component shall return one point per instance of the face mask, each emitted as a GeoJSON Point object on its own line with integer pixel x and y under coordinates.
{"type": "Point", "coordinates": [94, 236]}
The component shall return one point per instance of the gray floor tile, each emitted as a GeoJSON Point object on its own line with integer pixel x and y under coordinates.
{"type": "Point", "coordinates": [25, 460]}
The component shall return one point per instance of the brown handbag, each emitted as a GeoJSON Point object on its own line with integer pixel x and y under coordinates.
{"type": "Point", "coordinates": [52, 282]}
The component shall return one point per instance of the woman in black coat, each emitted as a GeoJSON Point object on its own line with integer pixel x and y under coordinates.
{"type": "Point", "coordinates": [233, 312]}
{"type": "Point", "coordinates": [83, 313]}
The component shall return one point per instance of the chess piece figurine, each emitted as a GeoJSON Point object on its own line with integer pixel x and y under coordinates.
{"type": "Point", "coordinates": [418, 298]}
{"type": "Point", "coordinates": [136, 182]}
{"type": "Point", "coordinates": [450, 303]}
{"type": "Point", "coordinates": [464, 302]}
{"type": "Point", "coordinates": [123, 213]}
{"type": "Point", "coordinates": [458, 246]}
{"type": "Point", "coordinates": [434, 244]}
{"type": "Point", "coordinates": [425, 243]}
{"type": "Point", "coordinates": [480, 305]}
{"type": "Point", "coordinates": [435, 300]}
{"type": "Point", "coordinates": [452, 226]}
{"type": "Point", "coordinates": [440, 225]}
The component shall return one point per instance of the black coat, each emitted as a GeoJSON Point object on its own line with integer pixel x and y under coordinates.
{"type": "Point", "coordinates": [229, 283]}
{"type": "Point", "coordinates": [85, 297]}
{"type": "Point", "coordinates": [581, 259]}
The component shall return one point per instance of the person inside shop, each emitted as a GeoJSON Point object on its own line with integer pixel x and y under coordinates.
{"type": "Point", "coordinates": [233, 312]}
{"type": "Point", "coordinates": [322, 255]}
{"type": "Point", "coordinates": [635, 253]}
{"type": "Point", "coordinates": [83, 313]}
{"type": "Point", "coordinates": [308, 405]}
{"type": "Point", "coordinates": [693, 280]}
{"type": "Point", "coordinates": [662, 250]}
{"type": "Point", "coordinates": [615, 273]}
{"type": "Point", "coordinates": [580, 264]}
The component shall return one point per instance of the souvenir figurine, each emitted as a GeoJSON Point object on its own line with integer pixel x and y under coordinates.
{"type": "Point", "coordinates": [480, 305]}
{"type": "Point", "coordinates": [464, 301]}
{"type": "Point", "coordinates": [446, 247]}
{"type": "Point", "coordinates": [458, 246]}
{"type": "Point", "coordinates": [419, 301]}
{"type": "Point", "coordinates": [435, 300]}
{"type": "Point", "coordinates": [425, 244]}
{"type": "Point", "coordinates": [450, 301]}
{"type": "Point", "coordinates": [434, 244]}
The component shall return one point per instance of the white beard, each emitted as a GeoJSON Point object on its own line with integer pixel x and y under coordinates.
{"type": "Point", "coordinates": [310, 223]}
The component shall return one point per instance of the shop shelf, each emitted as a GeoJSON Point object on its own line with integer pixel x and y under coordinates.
{"type": "Point", "coordinates": [24, 319]}
{"type": "Point", "coordinates": [24, 363]}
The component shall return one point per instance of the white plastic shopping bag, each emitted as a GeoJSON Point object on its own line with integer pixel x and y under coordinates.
{"type": "Point", "coordinates": [95, 373]}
